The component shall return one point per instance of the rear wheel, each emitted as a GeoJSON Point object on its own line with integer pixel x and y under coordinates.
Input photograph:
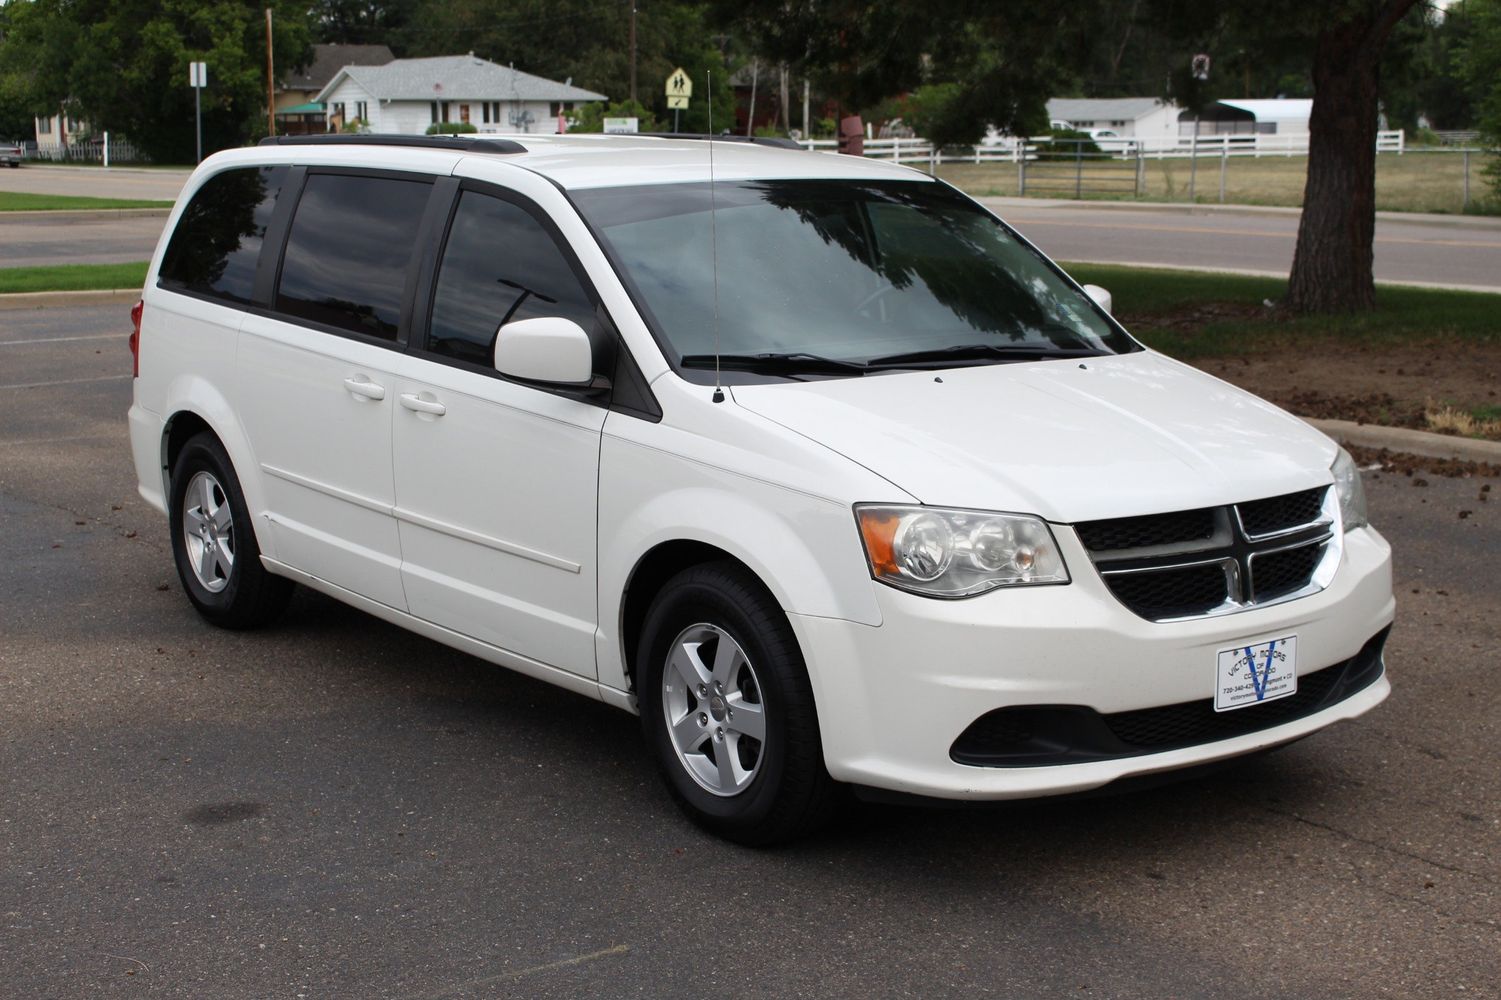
{"type": "Point", "coordinates": [727, 708]}
{"type": "Point", "coordinates": [213, 542]}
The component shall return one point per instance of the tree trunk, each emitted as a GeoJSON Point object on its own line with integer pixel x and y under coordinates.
{"type": "Point", "coordinates": [1331, 270]}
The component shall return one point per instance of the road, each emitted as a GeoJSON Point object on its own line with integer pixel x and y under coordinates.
{"type": "Point", "coordinates": [337, 808]}
{"type": "Point", "coordinates": [1409, 252]}
{"type": "Point", "coordinates": [142, 183]}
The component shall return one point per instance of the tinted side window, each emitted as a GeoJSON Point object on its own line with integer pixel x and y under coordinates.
{"type": "Point", "coordinates": [346, 263]}
{"type": "Point", "coordinates": [499, 266]}
{"type": "Point", "coordinates": [218, 238]}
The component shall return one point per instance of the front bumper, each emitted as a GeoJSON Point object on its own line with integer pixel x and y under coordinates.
{"type": "Point", "coordinates": [892, 699]}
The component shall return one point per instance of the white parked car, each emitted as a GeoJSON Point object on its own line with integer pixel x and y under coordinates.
{"type": "Point", "coordinates": [808, 459]}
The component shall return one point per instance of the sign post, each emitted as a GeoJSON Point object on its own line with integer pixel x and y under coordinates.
{"type": "Point", "coordinates": [679, 89]}
{"type": "Point", "coordinates": [198, 79]}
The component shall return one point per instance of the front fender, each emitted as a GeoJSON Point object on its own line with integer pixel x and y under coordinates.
{"type": "Point", "coordinates": [805, 549]}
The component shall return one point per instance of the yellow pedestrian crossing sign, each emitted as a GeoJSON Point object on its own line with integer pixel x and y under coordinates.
{"type": "Point", "coordinates": [680, 85]}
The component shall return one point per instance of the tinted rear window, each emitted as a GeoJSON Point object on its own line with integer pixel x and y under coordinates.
{"type": "Point", "coordinates": [217, 242]}
{"type": "Point", "coordinates": [347, 256]}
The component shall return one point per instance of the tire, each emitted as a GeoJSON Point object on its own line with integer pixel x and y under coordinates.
{"type": "Point", "coordinates": [759, 778]}
{"type": "Point", "coordinates": [213, 541]}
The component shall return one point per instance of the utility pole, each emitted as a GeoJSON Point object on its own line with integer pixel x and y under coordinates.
{"type": "Point", "coordinates": [270, 80]}
{"type": "Point", "coordinates": [633, 53]}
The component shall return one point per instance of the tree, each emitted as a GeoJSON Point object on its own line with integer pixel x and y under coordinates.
{"type": "Point", "coordinates": [360, 22]}
{"type": "Point", "coordinates": [1479, 61]}
{"type": "Point", "coordinates": [122, 65]}
{"type": "Point", "coordinates": [1332, 263]}
{"type": "Point", "coordinates": [584, 41]}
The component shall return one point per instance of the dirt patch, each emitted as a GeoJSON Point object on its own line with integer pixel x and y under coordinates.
{"type": "Point", "coordinates": [1414, 466]}
{"type": "Point", "coordinates": [1391, 386]}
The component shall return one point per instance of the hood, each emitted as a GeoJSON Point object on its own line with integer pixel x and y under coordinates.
{"type": "Point", "coordinates": [1068, 440]}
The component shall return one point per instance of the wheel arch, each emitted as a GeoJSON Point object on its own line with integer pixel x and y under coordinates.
{"type": "Point", "coordinates": [197, 406]}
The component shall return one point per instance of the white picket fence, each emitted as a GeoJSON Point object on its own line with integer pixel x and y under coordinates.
{"type": "Point", "coordinates": [1008, 149]}
{"type": "Point", "coordinates": [120, 151]}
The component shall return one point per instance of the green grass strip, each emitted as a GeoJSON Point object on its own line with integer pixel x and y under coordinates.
{"type": "Point", "coordinates": [20, 201]}
{"type": "Point", "coordinates": [1160, 304]}
{"type": "Point", "coordinates": [72, 277]}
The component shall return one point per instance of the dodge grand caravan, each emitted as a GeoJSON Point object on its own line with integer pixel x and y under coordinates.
{"type": "Point", "coordinates": [809, 460]}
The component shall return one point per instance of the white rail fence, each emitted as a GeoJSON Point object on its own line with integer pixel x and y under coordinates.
{"type": "Point", "coordinates": [1009, 149]}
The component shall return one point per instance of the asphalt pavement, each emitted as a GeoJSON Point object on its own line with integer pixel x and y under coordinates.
{"type": "Point", "coordinates": [1422, 250]}
{"type": "Point", "coordinates": [336, 808]}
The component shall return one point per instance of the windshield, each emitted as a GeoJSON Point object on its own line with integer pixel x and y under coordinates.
{"type": "Point", "coordinates": [835, 277]}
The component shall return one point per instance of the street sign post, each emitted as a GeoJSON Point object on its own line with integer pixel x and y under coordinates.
{"type": "Point", "coordinates": [198, 79]}
{"type": "Point", "coordinates": [679, 89]}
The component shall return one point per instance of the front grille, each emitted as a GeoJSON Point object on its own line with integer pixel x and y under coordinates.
{"type": "Point", "coordinates": [1274, 574]}
{"type": "Point", "coordinates": [1041, 735]}
{"type": "Point", "coordinates": [1263, 517]}
{"type": "Point", "coordinates": [1172, 593]}
{"type": "Point", "coordinates": [1149, 531]}
{"type": "Point", "coordinates": [1213, 560]}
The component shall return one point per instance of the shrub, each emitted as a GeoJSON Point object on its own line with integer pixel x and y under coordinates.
{"type": "Point", "coordinates": [451, 128]}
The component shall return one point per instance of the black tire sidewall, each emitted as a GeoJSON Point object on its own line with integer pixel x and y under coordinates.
{"type": "Point", "coordinates": [694, 598]}
{"type": "Point", "coordinates": [205, 454]}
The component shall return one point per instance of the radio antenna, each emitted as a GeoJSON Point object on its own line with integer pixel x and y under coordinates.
{"type": "Point", "coordinates": [713, 232]}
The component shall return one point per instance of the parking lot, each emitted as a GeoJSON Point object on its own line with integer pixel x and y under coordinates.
{"type": "Point", "coordinates": [335, 807]}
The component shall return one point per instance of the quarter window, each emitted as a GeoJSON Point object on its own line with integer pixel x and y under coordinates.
{"type": "Point", "coordinates": [499, 266]}
{"type": "Point", "coordinates": [347, 256]}
{"type": "Point", "coordinates": [217, 243]}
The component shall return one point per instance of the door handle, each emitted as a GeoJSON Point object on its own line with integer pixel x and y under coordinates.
{"type": "Point", "coordinates": [362, 388]}
{"type": "Point", "coordinates": [418, 404]}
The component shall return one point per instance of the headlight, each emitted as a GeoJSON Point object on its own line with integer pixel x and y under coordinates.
{"type": "Point", "coordinates": [957, 553]}
{"type": "Point", "coordinates": [1352, 511]}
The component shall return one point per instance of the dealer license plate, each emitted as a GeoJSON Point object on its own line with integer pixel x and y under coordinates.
{"type": "Point", "coordinates": [1250, 675]}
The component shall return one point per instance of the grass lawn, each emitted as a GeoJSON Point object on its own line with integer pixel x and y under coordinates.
{"type": "Point", "coordinates": [1227, 316]}
{"type": "Point", "coordinates": [72, 277]}
{"type": "Point", "coordinates": [18, 201]}
{"type": "Point", "coordinates": [1415, 181]}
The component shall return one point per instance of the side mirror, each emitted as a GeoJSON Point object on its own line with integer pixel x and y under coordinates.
{"type": "Point", "coordinates": [1101, 297]}
{"type": "Point", "coordinates": [547, 349]}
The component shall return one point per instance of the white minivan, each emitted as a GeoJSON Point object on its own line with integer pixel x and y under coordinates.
{"type": "Point", "coordinates": [809, 460]}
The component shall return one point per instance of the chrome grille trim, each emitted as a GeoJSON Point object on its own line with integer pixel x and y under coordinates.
{"type": "Point", "coordinates": [1236, 555]}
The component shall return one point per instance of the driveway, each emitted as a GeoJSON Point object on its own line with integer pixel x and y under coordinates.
{"type": "Point", "coordinates": [337, 808]}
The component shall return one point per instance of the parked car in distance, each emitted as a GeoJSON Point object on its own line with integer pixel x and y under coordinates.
{"type": "Point", "coordinates": [810, 460]}
{"type": "Point", "coordinates": [11, 153]}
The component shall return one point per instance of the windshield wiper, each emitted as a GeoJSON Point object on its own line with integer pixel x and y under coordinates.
{"type": "Point", "coordinates": [793, 363]}
{"type": "Point", "coordinates": [981, 352]}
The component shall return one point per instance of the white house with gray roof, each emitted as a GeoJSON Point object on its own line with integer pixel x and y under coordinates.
{"type": "Point", "coordinates": [1143, 118]}
{"type": "Point", "coordinates": [405, 96]}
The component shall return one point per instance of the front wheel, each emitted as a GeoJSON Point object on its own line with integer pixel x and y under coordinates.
{"type": "Point", "coordinates": [728, 711]}
{"type": "Point", "coordinates": [213, 541]}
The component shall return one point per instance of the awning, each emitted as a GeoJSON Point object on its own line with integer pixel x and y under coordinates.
{"type": "Point", "coordinates": [302, 109]}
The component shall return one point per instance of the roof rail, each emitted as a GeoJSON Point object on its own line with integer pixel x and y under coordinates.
{"type": "Point", "coordinates": [759, 140]}
{"type": "Point", "coordinates": [454, 143]}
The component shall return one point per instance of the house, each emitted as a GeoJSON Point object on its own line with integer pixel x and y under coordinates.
{"type": "Point", "coordinates": [55, 133]}
{"type": "Point", "coordinates": [297, 110]}
{"type": "Point", "coordinates": [1272, 116]}
{"type": "Point", "coordinates": [1142, 118]}
{"type": "Point", "coordinates": [405, 96]}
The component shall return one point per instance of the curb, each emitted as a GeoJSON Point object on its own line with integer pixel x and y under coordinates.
{"type": "Point", "coordinates": [46, 300]}
{"type": "Point", "coordinates": [1411, 442]}
{"type": "Point", "coordinates": [1279, 275]}
{"type": "Point", "coordinates": [83, 214]}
